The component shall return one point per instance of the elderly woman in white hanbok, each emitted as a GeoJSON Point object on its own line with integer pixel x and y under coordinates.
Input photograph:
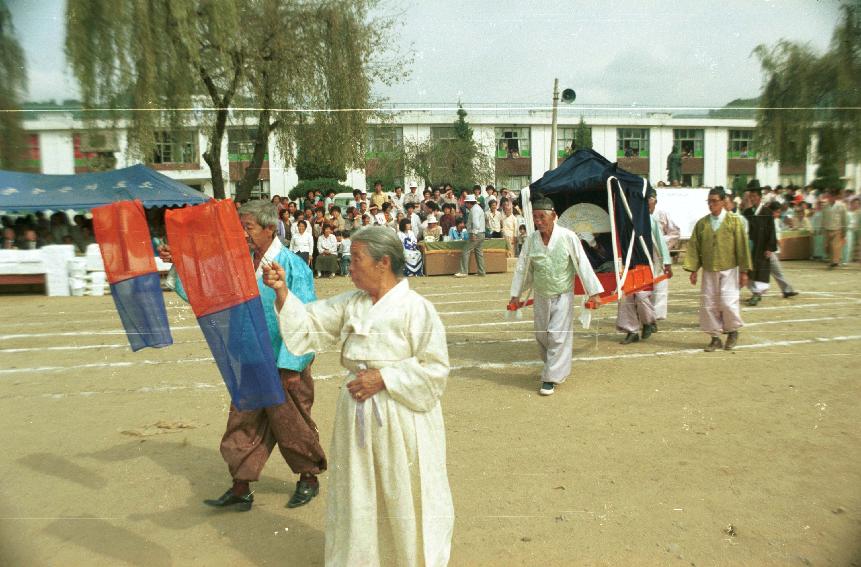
{"type": "Point", "coordinates": [389, 500]}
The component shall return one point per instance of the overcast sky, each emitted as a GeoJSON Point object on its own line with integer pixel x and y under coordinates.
{"type": "Point", "coordinates": [662, 53]}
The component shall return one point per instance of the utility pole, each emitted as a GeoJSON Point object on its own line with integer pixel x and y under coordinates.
{"type": "Point", "coordinates": [553, 159]}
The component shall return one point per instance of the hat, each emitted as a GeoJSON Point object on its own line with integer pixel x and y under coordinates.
{"type": "Point", "coordinates": [364, 191]}
{"type": "Point", "coordinates": [414, 184]}
{"type": "Point", "coordinates": [431, 219]}
{"type": "Point", "coordinates": [470, 199]}
{"type": "Point", "coordinates": [753, 186]}
{"type": "Point", "coordinates": [541, 203]}
{"type": "Point", "coordinates": [373, 206]}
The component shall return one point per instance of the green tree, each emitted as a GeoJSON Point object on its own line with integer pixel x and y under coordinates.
{"type": "Point", "coordinates": [805, 93]}
{"type": "Point", "coordinates": [582, 136]}
{"type": "Point", "coordinates": [259, 63]}
{"type": "Point", "coordinates": [461, 161]}
{"type": "Point", "coordinates": [13, 86]}
{"type": "Point", "coordinates": [827, 170]}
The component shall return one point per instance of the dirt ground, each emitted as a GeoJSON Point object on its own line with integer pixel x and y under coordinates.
{"type": "Point", "coordinates": [650, 454]}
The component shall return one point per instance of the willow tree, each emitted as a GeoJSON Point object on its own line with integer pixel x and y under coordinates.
{"type": "Point", "coordinates": [13, 86]}
{"type": "Point", "coordinates": [806, 93]}
{"type": "Point", "coordinates": [270, 65]}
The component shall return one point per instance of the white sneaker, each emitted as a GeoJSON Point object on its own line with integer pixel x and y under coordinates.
{"type": "Point", "coordinates": [332, 275]}
{"type": "Point", "coordinates": [460, 275]}
{"type": "Point", "coordinates": [547, 388]}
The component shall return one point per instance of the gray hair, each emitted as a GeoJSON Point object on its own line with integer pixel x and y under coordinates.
{"type": "Point", "coordinates": [382, 241]}
{"type": "Point", "coordinates": [264, 213]}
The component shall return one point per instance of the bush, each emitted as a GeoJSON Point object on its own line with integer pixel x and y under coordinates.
{"type": "Point", "coordinates": [301, 190]}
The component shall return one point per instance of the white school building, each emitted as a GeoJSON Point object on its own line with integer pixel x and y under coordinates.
{"type": "Point", "coordinates": [518, 136]}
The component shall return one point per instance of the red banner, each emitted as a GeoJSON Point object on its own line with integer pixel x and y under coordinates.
{"type": "Point", "coordinates": [211, 256]}
{"type": "Point", "coordinates": [124, 240]}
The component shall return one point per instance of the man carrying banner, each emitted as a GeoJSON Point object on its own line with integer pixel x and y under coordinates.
{"type": "Point", "coordinates": [550, 258]}
{"type": "Point", "coordinates": [251, 435]}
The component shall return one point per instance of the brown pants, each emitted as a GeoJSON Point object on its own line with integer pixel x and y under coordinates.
{"type": "Point", "coordinates": [834, 244]}
{"type": "Point", "coordinates": [251, 435]}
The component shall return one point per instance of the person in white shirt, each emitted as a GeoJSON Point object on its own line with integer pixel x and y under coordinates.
{"type": "Point", "coordinates": [494, 220]}
{"type": "Point", "coordinates": [327, 253]}
{"type": "Point", "coordinates": [415, 221]}
{"type": "Point", "coordinates": [398, 200]}
{"type": "Point", "coordinates": [302, 243]}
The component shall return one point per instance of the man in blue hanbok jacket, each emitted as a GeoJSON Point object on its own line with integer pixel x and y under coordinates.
{"type": "Point", "coordinates": [251, 435]}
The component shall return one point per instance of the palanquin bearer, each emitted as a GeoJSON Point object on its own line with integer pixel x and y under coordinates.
{"type": "Point", "coordinates": [550, 258]}
{"type": "Point", "coordinates": [719, 246]}
{"type": "Point", "coordinates": [636, 311]}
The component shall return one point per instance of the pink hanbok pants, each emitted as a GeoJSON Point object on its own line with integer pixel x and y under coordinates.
{"type": "Point", "coordinates": [719, 302]}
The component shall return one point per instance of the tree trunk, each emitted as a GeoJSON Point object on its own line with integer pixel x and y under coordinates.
{"type": "Point", "coordinates": [212, 155]}
{"type": "Point", "coordinates": [261, 144]}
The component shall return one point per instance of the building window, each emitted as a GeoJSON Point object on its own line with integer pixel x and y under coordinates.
{"type": "Point", "coordinates": [689, 141]}
{"type": "Point", "coordinates": [384, 140]}
{"type": "Point", "coordinates": [94, 151]}
{"type": "Point", "coordinates": [258, 191]}
{"type": "Point", "coordinates": [512, 142]}
{"type": "Point", "coordinates": [240, 145]}
{"type": "Point", "coordinates": [632, 142]}
{"type": "Point", "coordinates": [564, 141]}
{"type": "Point", "coordinates": [740, 145]}
{"type": "Point", "coordinates": [443, 133]}
{"type": "Point", "coordinates": [175, 147]}
{"type": "Point", "coordinates": [513, 182]}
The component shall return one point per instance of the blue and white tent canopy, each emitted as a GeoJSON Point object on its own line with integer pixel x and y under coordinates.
{"type": "Point", "coordinates": [35, 192]}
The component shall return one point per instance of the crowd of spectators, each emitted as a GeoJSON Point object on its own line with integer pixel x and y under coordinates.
{"type": "Point", "coordinates": [812, 210]}
{"type": "Point", "coordinates": [36, 230]}
{"type": "Point", "coordinates": [318, 229]}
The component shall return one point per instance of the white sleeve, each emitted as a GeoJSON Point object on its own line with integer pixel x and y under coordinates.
{"type": "Point", "coordinates": [419, 381]}
{"type": "Point", "coordinates": [315, 326]}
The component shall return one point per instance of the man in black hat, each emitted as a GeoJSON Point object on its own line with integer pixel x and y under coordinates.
{"type": "Point", "coordinates": [550, 258]}
{"type": "Point", "coordinates": [763, 241]}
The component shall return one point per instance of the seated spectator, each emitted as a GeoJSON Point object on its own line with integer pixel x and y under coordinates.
{"type": "Point", "coordinates": [30, 240]}
{"type": "Point", "coordinates": [414, 265]}
{"type": "Point", "coordinates": [301, 242]}
{"type": "Point", "coordinates": [432, 231]}
{"type": "Point", "coordinates": [458, 231]}
{"type": "Point", "coordinates": [327, 253]}
{"type": "Point", "coordinates": [9, 241]}
{"type": "Point", "coordinates": [447, 220]}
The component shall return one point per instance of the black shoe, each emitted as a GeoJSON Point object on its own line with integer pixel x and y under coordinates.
{"type": "Point", "coordinates": [714, 345]}
{"type": "Point", "coordinates": [832, 265]}
{"type": "Point", "coordinates": [647, 332]}
{"type": "Point", "coordinates": [754, 300]}
{"type": "Point", "coordinates": [630, 338]}
{"type": "Point", "coordinates": [243, 503]}
{"type": "Point", "coordinates": [654, 328]}
{"type": "Point", "coordinates": [731, 340]}
{"type": "Point", "coordinates": [305, 492]}
{"type": "Point", "coordinates": [788, 294]}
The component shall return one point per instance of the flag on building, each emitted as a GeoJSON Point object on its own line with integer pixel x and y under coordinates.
{"type": "Point", "coordinates": [126, 247]}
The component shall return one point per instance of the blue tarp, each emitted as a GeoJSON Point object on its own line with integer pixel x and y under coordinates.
{"type": "Point", "coordinates": [582, 178]}
{"type": "Point", "coordinates": [36, 192]}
